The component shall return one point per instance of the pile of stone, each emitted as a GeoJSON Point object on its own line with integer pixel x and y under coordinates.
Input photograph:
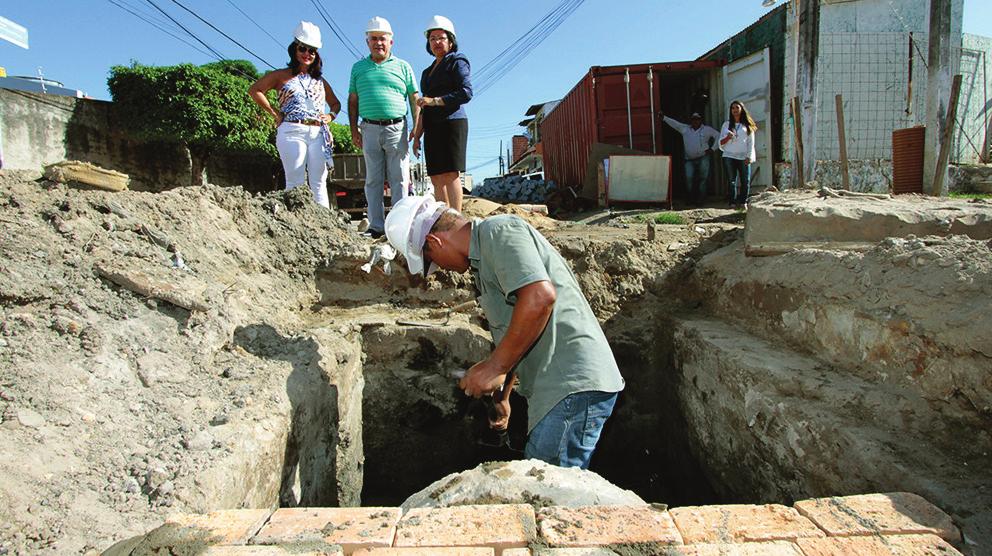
{"type": "Point", "coordinates": [514, 189]}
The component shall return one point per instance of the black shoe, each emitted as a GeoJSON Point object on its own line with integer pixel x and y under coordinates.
{"type": "Point", "coordinates": [374, 234]}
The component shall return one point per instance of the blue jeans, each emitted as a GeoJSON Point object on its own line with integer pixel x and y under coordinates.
{"type": "Point", "coordinates": [387, 157]}
{"type": "Point", "coordinates": [738, 169]}
{"type": "Point", "coordinates": [567, 435]}
{"type": "Point", "coordinates": [697, 173]}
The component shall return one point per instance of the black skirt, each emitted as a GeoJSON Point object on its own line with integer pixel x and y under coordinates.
{"type": "Point", "coordinates": [444, 145]}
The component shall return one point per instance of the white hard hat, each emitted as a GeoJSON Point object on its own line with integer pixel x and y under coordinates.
{"type": "Point", "coordinates": [308, 34]}
{"type": "Point", "coordinates": [378, 25]}
{"type": "Point", "coordinates": [442, 23]}
{"type": "Point", "coordinates": [407, 226]}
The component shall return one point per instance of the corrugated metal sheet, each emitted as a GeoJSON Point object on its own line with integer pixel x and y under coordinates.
{"type": "Point", "coordinates": [596, 111]}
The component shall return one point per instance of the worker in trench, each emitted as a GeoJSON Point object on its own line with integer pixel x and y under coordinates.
{"type": "Point", "coordinates": [548, 341]}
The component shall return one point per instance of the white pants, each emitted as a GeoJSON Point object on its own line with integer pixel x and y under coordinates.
{"type": "Point", "coordinates": [300, 148]}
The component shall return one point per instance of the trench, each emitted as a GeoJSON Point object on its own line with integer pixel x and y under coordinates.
{"type": "Point", "coordinates": [379, 418]}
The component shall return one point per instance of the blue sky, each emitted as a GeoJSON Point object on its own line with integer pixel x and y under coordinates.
{"type": "Point", "coordinates": [77, 41]}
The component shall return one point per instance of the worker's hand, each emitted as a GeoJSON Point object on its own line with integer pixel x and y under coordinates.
{"type": "Point", "coordinates": [501, 418]}
{"type": "Point", "coordinates": [327, 118]}
{"type": "Point", "coordinates": [709, 152]}
{"type": "Point", "coordinates": [416, 147]}
{"type": "Point", "coordinates": [356, 138]}
{"type": "Point", "coordinates": [483, 378]}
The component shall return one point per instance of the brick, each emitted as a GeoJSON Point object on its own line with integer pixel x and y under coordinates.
{"type": "Point", "coordinates": [268, 551]}
{"type": "Point", "coordinates": [606, 526]}
{"type": "Point", "coordinates": [498, 526]}
{"type": "Point", "coordinates": [888, 545]}
{"type": "Point", "coordinates": [429, 551]}
{"type": "Point", "coordinates": [774, 548]}
{"type": "Point", "coordinates": [517, 552]}
{"type": "Point", "coordinates": [595, 551]}
{"type": "Point", "coordinates": [223, 526]}
{"type": "Point", "coordinates": [351, 528]}
{"type": "Point", "coordinates": [742, 523]}
{"type": "Point", "coordinates": [879, 514]}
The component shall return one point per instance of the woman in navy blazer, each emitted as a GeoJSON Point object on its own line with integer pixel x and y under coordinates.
{"type": "Point", "coordinates": [445, 87]}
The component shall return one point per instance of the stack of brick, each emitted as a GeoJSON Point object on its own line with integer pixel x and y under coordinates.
{"type": "Point", "coordinates": [867, 525]}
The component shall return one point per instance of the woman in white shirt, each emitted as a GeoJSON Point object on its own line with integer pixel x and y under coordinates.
{"type": "Point", "coordinates": [737, 144]}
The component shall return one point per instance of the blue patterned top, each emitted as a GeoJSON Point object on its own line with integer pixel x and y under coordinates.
{"type": "Point", "coordinates": [302, 99]}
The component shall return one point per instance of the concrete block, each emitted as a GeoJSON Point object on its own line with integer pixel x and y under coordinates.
{"type": "Point", "coordinates": [778, 223]}
{"type": "Point", "coordinates": [775, 548]}
{"type": "Point", "coordinates": [742, 523]}
{"type": "Point", "coordinates": [430, 551]}
{"type": "Point", "coordinates": [544, 551]}
{"type": "Point", "coordinates": [901, 545]}
{"type": "Point", "coordinates": [496, 526]}
{"type": "Point", "coordinates": [607, 526]}
{"type": "Point", "coordinates": [879, 514]}
{"type": "Point", "coordinates": [222, 526]}
{"type": "Point", "coordinates": [351, 528]}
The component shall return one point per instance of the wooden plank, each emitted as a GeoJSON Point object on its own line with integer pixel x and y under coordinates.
{"type": "Point", "coordinates": [842, 138]}
{"type": "Point", "coordinates": [799, 178]}
{"type": "Point", "coordinates": [945, 144]}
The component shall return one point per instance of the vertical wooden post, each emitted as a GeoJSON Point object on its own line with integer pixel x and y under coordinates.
{"type": "Point", "coordinates": [945, 145]}
{"type": "Point", "coordinates": [939, 65]}
{"type": "Point", "coordinates": [808, 38]}
{"type": "Point", "coordinates": [842, 138]}
{"type": "Point", "coordinates": [798, 174]}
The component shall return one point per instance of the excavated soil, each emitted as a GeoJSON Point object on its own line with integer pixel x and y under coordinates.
{"type": "Point", "coordinates": [205, 348]}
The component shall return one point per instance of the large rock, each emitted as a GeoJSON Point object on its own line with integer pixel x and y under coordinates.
{"type": "Point", "coordinates": [522, 482]}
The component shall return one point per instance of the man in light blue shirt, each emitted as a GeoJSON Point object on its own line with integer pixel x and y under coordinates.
{"type": "Point", "coordinates": [698, 140]}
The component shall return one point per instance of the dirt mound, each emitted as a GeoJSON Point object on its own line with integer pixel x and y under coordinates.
{"type": "Point", "coordinates": [476, 207]}
{"type": "Point", "coordinates": [115, 390]}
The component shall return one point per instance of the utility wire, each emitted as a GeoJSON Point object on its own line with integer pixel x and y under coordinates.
{"type": "Point", "coordinates": [335, 29]}
{"type": "Point", "coordinates": [275, 40]}
{"type": "Point", "coordinates": [158, 26]}
{"type": "Point", "coordinates": [212, 26]}
{"type": "Point", "coordinates": [188, 32]}
{"type": "Point", "coordinates": [498, 67]}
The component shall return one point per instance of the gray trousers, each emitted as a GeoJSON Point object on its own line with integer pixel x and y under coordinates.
{"type": "Point", "coordinates": [387, 157]}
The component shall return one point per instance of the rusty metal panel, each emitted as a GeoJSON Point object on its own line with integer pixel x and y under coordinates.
{"type": "Point", "coordinates": [597, 110]}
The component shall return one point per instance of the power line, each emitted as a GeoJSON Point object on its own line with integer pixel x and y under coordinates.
{"type": "Point", "coordinates": [188, 32]}
{"type": "Point", "coordinates": [255, 23]}
{"type": "Point", "coordinates": [158, 26]}
{"type": "Point", "coordinates": [335, 29]}
{"type": "Point", "coordinates": [498, 67]}
{"type": "Point", "coordinates": [212, 26]}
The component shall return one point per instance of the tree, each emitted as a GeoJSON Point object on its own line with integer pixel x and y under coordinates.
{"type": "Point", "coordinates": [342, 139]}
{"type": "Point", "coordinates": [205, 108]}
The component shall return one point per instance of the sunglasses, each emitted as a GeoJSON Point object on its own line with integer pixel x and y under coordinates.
{"type": "Point", "coordinates": [301, 48]}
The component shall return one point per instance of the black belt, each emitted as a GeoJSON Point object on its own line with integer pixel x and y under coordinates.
{"type": "Point", "coordinates": [384, 122]}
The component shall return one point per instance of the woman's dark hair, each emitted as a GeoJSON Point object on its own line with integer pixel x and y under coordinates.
{"type": "Point", "coordinates": [315, 68]}
{"type": "Point", "coordinates": [451, 40]}
{"type": "Point", "coordinates": [746, 120]}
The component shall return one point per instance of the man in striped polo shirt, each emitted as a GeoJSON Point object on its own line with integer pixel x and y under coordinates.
{"type": "Point", "coordinates": [380, 88]}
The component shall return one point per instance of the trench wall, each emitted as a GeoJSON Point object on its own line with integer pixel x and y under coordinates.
{"type": "Point", "coordinates": [39, 129]}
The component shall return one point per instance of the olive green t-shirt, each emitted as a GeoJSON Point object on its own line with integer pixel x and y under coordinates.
{"type": "Point", "coordinates": [572, 354]}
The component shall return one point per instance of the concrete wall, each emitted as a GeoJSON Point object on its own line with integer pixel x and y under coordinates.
{"type": "Point", "coordinates": [864, 56]}
{"type": "Point", "coordinates": [37, 130]}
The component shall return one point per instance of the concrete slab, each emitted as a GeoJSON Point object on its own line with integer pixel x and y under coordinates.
{"type": "Point", "coordinates": [781, 222]}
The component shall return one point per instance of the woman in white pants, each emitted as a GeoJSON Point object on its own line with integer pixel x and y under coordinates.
{"type": "Point", "coordinates": [303, 139]}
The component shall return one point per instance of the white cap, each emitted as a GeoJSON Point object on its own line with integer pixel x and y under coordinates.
{"type": "Point", "coordinates": [442, 23]}
{"type": "Point", "coordinates": [407, 226]}
{"type": "Point", "coordinates": [308, 34]}
{"type": "Point", "coordinates": [378, 25]}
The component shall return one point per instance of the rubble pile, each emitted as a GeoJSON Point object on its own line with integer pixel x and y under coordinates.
{"type": "Point", "coordinates": [514, 189]}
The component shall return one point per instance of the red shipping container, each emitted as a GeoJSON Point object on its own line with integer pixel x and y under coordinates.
{"type": "Point", "coordinates": [596, 110]}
